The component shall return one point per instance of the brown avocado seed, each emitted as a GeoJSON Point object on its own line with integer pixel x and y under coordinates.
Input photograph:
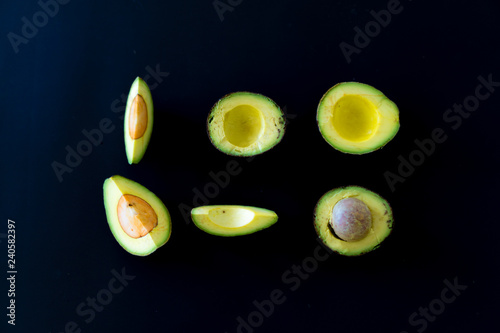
{"type": "Point", "coordinates": [351, 219]}
{"type": "Point", "coordinates": [137, 218]}
{"type": "Point", "coordinates": [138, 118]}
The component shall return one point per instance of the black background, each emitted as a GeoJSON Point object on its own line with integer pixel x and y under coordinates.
{"type": "Point", "coordinates": [66, 78]}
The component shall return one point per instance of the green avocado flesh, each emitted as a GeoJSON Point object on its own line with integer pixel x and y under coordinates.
{"type": "Point", "coordinates": [232, 220]}
{"type": "Point", "coordinates": [138, 122]}
{"type": "Point", "coordinates": [138, 219]}
{"type": "Point", "coordinates": [356, 118]}
{"type": "Point", "coordinates": [245, 124]}
{"type": "Point", "coordinates": [379, 227]}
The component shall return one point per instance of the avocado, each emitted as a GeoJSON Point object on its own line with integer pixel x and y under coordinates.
{"type": "Point", "coordinates": [245, 124]}
{"type": "Point", "coordinates": [138, 120]}
{"type": "Point", "coordinates": [232, 220]}
{"type": "Point", "coordinates": [352, 220]}
{"type": "Point", "coordinates": [137, 218]}
{"type": "Point", "coordinates": [356, 118]}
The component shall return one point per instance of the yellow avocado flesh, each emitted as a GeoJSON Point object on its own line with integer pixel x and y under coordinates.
{"type": "Point", "coordinates": [245, 124]}
{"type": "Point", "coordinates": [114, 189]}
{"type": "Point", "coordinates": [356, 118]}
{"type": "Point", "coordinates": [381, 226]}
{"type": "Point", "coordinates": [136, 145]}
{"type": "Point", "coordinates": [232, 220]}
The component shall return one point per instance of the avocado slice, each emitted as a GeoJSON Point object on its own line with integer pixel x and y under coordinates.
{"type": "Point", "coordinates": [245, 124]}
{"type": "Point", "coordinates": [137, 218]}
{"type": "Point", "coordinates": [356, 118]}
{"type": "Point", "coordinates": [138, 120]}
{"type": "Point", "coordinates": [333, 210]}
{"type": "Point", "coordinates": [232, 220]}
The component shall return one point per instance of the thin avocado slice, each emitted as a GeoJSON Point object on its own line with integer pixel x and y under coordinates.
{"type": "Point", "coordinates": [137, 218]}
{"type": "Point", "coordinates": [232, 220]}
{"type": "Point", "coordinates": [138, 121]}
{"type": "Point", "coordinates": [245, 124]}
{"type": "Point", "coordinates": [356, 118]}
{"type": "Point", "coordinates": [327, 216]}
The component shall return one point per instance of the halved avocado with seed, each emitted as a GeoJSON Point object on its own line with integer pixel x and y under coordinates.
{"type": "Point", "coordinates": [356, 118]}
{"type": "Point", "coordinates": [352, 220]}
{"type": "Point", "coordinates": [137, 218]}
{"type": "Point", "coordinates": [138, 120]}
{"type": "Point", "coordinates": [232, 220]}
{"type": "Point", "coordinates": [245, 124]}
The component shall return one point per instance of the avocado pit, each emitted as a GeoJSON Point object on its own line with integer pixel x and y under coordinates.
{"type": "Point", "coordinates": [138, 118]}
{"type": "Point", "coordinates": [351, 219]}
{"type": "Point", "coordinates": [137, 218]}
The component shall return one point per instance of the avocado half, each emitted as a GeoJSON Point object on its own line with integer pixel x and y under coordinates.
{"type": "Point", "coordinates": [138, 121]}
{"type": "Point", "coordinates": [232, 220]}
{"type": "Point", "coordinates": [381, 220]}
{"type": "Point", "coordinates": [137, 218]}
{"type": "Point", "coordinates": [245, 124]}
{"type": "Point", "coordinates": [356, 118]}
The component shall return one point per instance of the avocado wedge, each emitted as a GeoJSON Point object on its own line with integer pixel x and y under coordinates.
{"type": "Point", "coordinates": [232, 220]}
{"type": "Point", "coordinates": [138, 219]}
{"type": "Point", "coordinates": [138, 122]}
